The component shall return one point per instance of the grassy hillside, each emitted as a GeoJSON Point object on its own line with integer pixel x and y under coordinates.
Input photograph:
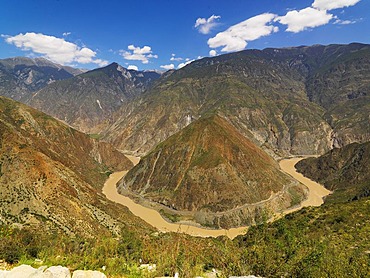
{"type": "Point", "coordinates": [328, 241]}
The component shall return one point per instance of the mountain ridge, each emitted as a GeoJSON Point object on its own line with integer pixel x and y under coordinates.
{"type": "Point", "coordinates": [89, 101]}
{"type": "Point", "coordinates": [21, 76]}
{"type": "Point", "coordinates": [264, 93]}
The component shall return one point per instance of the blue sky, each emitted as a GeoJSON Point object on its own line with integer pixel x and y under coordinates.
{"type": "Point", "coordinates": [164, 34]}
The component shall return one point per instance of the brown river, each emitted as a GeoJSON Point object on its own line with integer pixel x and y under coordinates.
{"type": "Point", "coordinates": [152, 217]}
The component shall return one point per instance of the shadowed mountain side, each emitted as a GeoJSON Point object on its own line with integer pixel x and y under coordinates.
{"type": "Point", "coordinates": [88, 101]}
{"type": "Point", "coordinates": [345, 171]}
{"type": "Point", "coordinates": [21, 76]}
{"type": "Point", "coordinates": [51, 175]}
{"type": "Point", "coordinates": [212, 171]}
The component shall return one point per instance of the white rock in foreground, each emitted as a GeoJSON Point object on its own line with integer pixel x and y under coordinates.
{"type": "Point", "coordinates": [26, 271]}
{"type": "Point", "coordinates": [57, 272]}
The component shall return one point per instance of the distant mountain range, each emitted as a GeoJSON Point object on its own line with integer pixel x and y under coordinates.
{"type": "Point", "coordinates": [298, 100]}
{"type": "Point", "coordinates": [208, 135]}
{"type": "Point", "coordinates": [21, 76]}
{"type": "Point", "coordinates": [302, 100]}
{"type": "Point", "coordinates": [208, 129]}
{"type": "Point", "coordinates": [89, 101]}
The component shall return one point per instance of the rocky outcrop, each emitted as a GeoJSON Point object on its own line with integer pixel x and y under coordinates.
{"type": "Point", "coordinates": [26, 271]}
{"type": "Point", "coordinates": [210, 171]}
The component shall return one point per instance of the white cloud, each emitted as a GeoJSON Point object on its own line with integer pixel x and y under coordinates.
{"type": "Point", "coordinates": [236, 37]}
{"type": "Point", "coordinates": [101, 63]}
{"type": "Point", "coordinates": [212, 53]}
{"type": "Point", "coordinates": [333, 4]}
{"type": "Point", "coordinates": [205, 26]}
{"type": "Point", "coordinates": [174, 58]}
{"type": "Point", "coordinates": [138, 54]}
{"type": "Point", "coordinates": [344, 22]}
{"type": "Point", "coordinates": [65, 34]}
{"type": "Point", "coordinates": [55, 49]}
{"type": "Point", "coordinates": [298, 21]}
{"type": "Point", "coordinates": [152, 56]}
{"type": "Point", "coordinates": [168, 67]}
{"type": "Point", "coordinates": [181, 65]}
{"type": "Point", "coordinates": [133, 67]}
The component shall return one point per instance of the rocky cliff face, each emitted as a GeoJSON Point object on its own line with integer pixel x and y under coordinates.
{"type": "Point", "coordinates": [345, 171]}
{"type": "Point", "coordinates": [270, 96]}
{"type": "Point", "coordinates": [21, 76]}
{"type": "Point", "coordinates": [51, 175]}
{"type": "Point", "coordinates": [88, 101]}
{"type": "Point", "coordinates": [212, 171]}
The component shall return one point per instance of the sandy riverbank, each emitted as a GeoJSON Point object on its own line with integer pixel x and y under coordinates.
{"type": "Point", "coordinates": [151, 216]}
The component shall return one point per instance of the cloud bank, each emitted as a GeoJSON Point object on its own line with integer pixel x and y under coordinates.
{"type": "Point", "coordinates": [55, 49]}
{"type": "Point", "coordinates": [298, 21]}
{"type": "Point", "coordinates": [333, 4]}
{"type": "Point", "coordinates": [138, 54]}
{"type": "Point", "coordinates": [236, 37]}
{"type": "Point", "coordinates": [168, 67]}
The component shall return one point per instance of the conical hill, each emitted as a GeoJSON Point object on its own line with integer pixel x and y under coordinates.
{"type": "Point", "coordinates": [209, 167]}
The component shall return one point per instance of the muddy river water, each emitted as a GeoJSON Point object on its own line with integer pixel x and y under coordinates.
{"type": "Point", "coordinates": [152, 217]}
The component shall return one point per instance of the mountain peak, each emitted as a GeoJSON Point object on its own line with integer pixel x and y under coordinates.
{"type": "Point", "coordinates": [209, 168]}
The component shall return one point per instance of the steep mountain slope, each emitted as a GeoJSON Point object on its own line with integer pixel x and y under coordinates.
{"type": "Point", "coordinates": [88, 101]}
{"type": "Point", "coordinates": [267, 94]}
{"type": "Point", "coordinates": [212, 171]}
{"type": "Point", "coordinates": [345, 171]}
{"type": "Point", "coordinates": [51, 175]}
{"type": "Point", "coordinates": [20, 76]}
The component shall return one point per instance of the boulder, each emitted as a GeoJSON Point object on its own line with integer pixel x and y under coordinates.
{"type": "Point", "coordinates": [23, 271]}
{"type": "Point", "coordinates": [57, 272]}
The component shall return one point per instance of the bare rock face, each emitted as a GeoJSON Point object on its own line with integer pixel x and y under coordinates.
{"type": "Point", "coordinates": [209, 170]}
